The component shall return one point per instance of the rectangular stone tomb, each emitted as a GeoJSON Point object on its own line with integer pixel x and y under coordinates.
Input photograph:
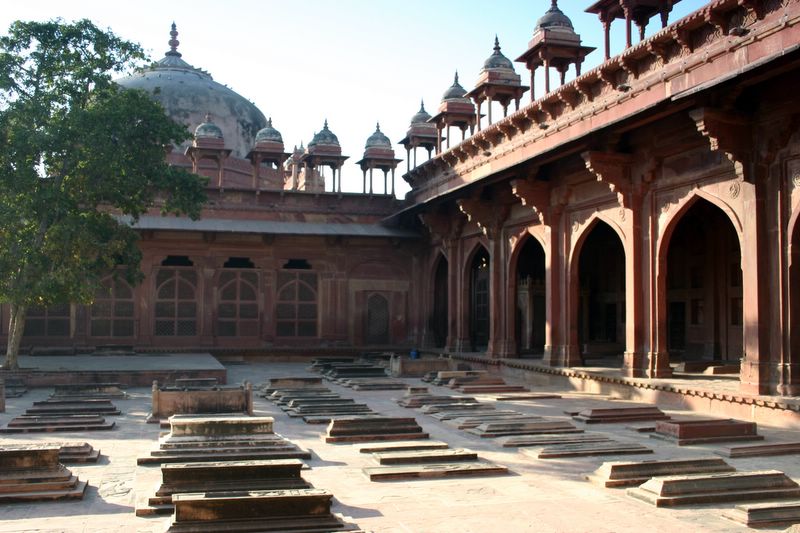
{"type": "Point", "coordinates": [522, 396]}
{"type": "Point", "coordinates": [216, 426]}
{"type": "Point", "coordinates": [297, 402]}
{"type": "Point", "coordinates": [326, 419]}
{"type": "Point", "coordinates": [522, 441]}
{"type": "Point", "coordinates": [283, 400]}
{"type": "Point", "coordinates": [486, 389]}
{"type": "Point", "coordinates": [620, 414]}
{"type": "Point", "coordinates": [47, 424]}
{"type": "Point", "coordinates": [459, 421]}
{"type": "Point", "coordinates": [586, 449]}
{"type": "Point", "coordinates": [77, 452]}
{"type": "Point", "coordinates": [502, 429]}
{"type": "Point", "coordinates": [293, 382]}
{"type": "Point", "coordinates": [168, 402]}
{"type": "Point", "coordinates": [434, 471]}
{"type": "Point", "coordinates": [196, 383]}
{"type": "Point", "coordinates": [420, 400]}
{"type": "Point", "coordinates": [476, 380]}
{"type": "Point", "coordinates": [263, 511]}
{"type": "Point", "coordinates": [30, 473]}
{"type": "Point", "coordinates": [772, 514]}
{"type": "Point", "coordinates": [399, 446]}
{"type": "Point", "coordinates": [626, 474]}
{"type": "Point", "coordinates": [413, 457]}
{"type": "Point", "coordinates": [761, 450]}
{"type": "Point", "coordinates": [715, 488]}
{"type": "Point", "coordinates": [460, 406]}
{"type": "Point", "coordinates": [223, 476]}
{"type": "Point", "coordinates": [89, 390]}
{"type": "Point", "coordinates": [685, 432]}
{"type": "Point", "coordinates": [72, 407]}
{"type": "Point", "coordinates": [376, 384]}
{"type": "Point", "coordinates": [319, 410]}
{"type": "Point", "coordinates": [443, 377]}
{"type": "Point", "coordinates": [373, 429]}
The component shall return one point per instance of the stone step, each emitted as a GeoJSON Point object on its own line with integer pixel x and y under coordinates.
{"type": "Point", "coordinates": [467, 422]}
{"type": "Point", "coordinates": [772, 514]}
{"type": "Point", "coordinates": [326, 419]}
{"type": "Point", "coordinates": [502, 429]}
{"type": "Point", "coordinates": [760, 450]}
{"type": "Point", "coordinates": [373, 429]}
{"type": "Point", "coordinates": [620, 414]}
{"type": "Point", "coordinates": [434, 471]}
{"type": "Point", "coordinates": [522, 396]}
{"type": "Point", "coordinates": [521, 441]}
{"type": "Point", "coordinates": [234, 441]}
{"type": "Point", "coordinates": [702, 431]}
{"type": "Point", "coordinates": [225, 455]}
{"type": "Point", "coordinates": [404, 446]}
{"type": "Point", "coordinates": [26, 485]}
{"type": "Point", "coordinates": [47, 428]}
{"type": "Point", "coordinates": [412, 457]}
{"type": "Point", "coordinates": [35, 475]}
{"type": "Point", "coordinates": [476, 380]}
{"type": "Point", "coordinates": [626, 474]}
{"type": "Point", "coordinates": [485, 389]}
{"type": "Point", "coordinates": [418, 401]}
{"type": "Point", "coordinates": [73, 493]}
{"type": "Point", "coordinates": [77, 420]}
{"type": "Point", "coordinates": [198, 450]}
{"type": "Point", "coordinates": [293, 382]}
{"type": "Point", "coordinates": [459, 406]}
{"type": "Point", "coordinates": [17, 457]}
{"type": "Point", "coordinates": [585, 449]}
{"type": "Point", "coordinates": [219, 425]}
{"type": "Point", "coordinates": [716, 488]}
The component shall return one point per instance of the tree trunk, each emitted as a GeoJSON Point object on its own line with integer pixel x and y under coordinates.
{"type": "Point", "coordinates": [16, 327]}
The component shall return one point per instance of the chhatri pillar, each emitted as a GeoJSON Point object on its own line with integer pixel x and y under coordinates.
{"type": "Point", "coordinates": [631, 11]}
{"type": "Point", "coordinates": [421, 134]}
{"type": "Point", "coordinates": [455, 110]}
{"type": "Point", "coordinates": [498, 82]}
{"type": "Point", "coordinates": [324, 150]}
{"type": "Point", "coordinates": [267, 150]}
{"type": "Point", "coordinates": [208, 143]}
{"type": "Point", "coordinates": [378, 153]}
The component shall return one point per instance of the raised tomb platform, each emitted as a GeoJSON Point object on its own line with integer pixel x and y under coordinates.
{"type": "Point", "coordinates": [33, 473]}
{"type": "Point", "coordinates": [634, 473]}
{"type": "Point", "coordinates": [168, 401]}
{"type": "Point", "coordinates": [354, 429]}
{"type": "Point", "coordinates": [706, 430]}
{"type": "Point", "coordinates": [84, 391]}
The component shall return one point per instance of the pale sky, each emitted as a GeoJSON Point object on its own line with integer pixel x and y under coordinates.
{"type": "Point", "coordinates": [352, 62]}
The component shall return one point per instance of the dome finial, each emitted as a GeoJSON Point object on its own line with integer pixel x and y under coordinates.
{"type": "Point", "coordinates": [325, 126]}
{"type": "Point", "coordinates": [422, 105]}
{"type": "Point", "coordinates": [377, 126]}
{"type": "Point", "coordinates": [554, 4]}
{"type": "Point", "coordinates": [208, 117]}
{"type": "Point", "coordinates": [174, 42]}
{"type": "Point", "coordinates": [455, 81]}
{"type": "Point", "coordinates": [496, 44]}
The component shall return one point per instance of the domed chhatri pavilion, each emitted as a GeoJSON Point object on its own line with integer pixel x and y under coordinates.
{"type": "Point", "coordinates": [640, 216]}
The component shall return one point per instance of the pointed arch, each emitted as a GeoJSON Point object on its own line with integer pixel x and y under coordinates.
{"type": "Point", "coordinates": [526, 297]}
{"type": "Point", "coordinates": [377, 319]}
{"type": "Point", "coordinates": [439, 318]}
{"type": "Point", "coordinates": [477, 297]}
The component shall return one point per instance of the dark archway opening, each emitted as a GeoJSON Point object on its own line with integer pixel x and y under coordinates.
{"type": "Point", "coordinates": [479, 311]}
{"type": "Point", "coordinates": [377, 320]}
{"type": "Point", "coordinates": [601, 311]}
{"type": "Point", "coordinates": [531, 315]}
{"type": "Point", "coordinates": [439, 318]}
{"type": "Point", "coordinates": [704, 308]}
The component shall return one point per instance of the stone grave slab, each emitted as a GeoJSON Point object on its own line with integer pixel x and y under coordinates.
{"type": "Point", "coordinates": [73, 407]}
{"type": "Point", "coordinates": [486, 389]}
{"type": "Point", "coordinates": [634, 473]}
{"type": "Point", "coordinates": [417, 401]}
{"type": "Point", "coordinates": [760, 450]}
{"type": "Point", "coordinates": [413, 457]}
{"type": "Point", "coordinates": [686, 432]}
{"type": "Point", "coordinates": [89, 390]}
{"type": "Point", "coordinates": [457, 382]}
{"type": "Point", "coordinates": [197, 383]}
{"type": "Point", "coordinates": [375, 384]}
{"type": "Point", "coordinates": [373, 429]}
{"type": "Point", "coordinates": [33, 473]}
{"type": "Point", "coordinates": [521, 441]}
{"type": "Point", "coordinates": [522, 396]}
{"type": "Point", "coordinates": [772, 514]}
{"type": "Point", "coordinates": [77, 452]}
{"type": "Point", "coordinates": [249, 511]}
{"type": "Point", "coordinates": [48, 424]}
{"type": "Point", "coordinates": [443, 377]}
{"type": "Point", "coordinates": [586, 449]}
{"type": "Point", "coordinates": [326, 419]}
{"type": "Point", "coordinates": [502, 429]}
{"type": "Point", "coordinates": [620, 414]}
{"type": "Point", "coordinates": [457, 406]}
{"type": "Point", "coordinates": [695, 489]}
{"type": "Point", "coordinates": [468, 419]}
{"type": "Point", "coordinates": [223, 476]}
{"type": "Point", "coordinates": [403, 446]}
{"type": "Point", "coordinates": [434, 471]}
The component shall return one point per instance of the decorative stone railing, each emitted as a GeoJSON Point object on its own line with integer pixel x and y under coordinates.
{"type": "Point", "coordinates": [679, 60]}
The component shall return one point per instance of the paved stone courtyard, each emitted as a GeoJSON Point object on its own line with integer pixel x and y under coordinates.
{"type": "Point", "coordinates": [539, 495]}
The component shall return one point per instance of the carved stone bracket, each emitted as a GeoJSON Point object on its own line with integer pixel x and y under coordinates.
{"type": "Point", "coordinates": [535, 194]}
{"type": "Point", "coordinates": [728, 132]}
{"type": "Point", "coordinates": [489, 216]}
{"type": "Point", "coordinates": [444, 226]}
{"type": "Point", "coordinates": [615, 170]}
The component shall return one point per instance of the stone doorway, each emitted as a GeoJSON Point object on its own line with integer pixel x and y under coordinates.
{"type": "Point", "coordinates": [704, 287]}
{"type": "Point", "coordinates": [377, 327]}
{"type": "Point", "coordinates": [601, 308]}
{"type": "Point", "coordinates": [531, 311]}
{"type": "Point", "coordinates": [439, 318]}
{"type": "Point", "coordinates": [479, 317]}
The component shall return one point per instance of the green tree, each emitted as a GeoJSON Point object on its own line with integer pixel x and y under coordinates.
{"type": "Point", "coordinates": [77, 153]}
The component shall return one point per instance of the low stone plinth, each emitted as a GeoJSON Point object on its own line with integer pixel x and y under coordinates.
{"type": "Point", "coordinates": [413, 457]}
{"type": "Point", "coordinates": [501, 429]}
{"type": "Point", "coordinates": [385, 383]}
{"type": "Point", "coordinates": [31, 473]}
{"type": "Point", "coordinates": [398, 446]}
{"type": "Point", "coordinates": [587, 449]}
{"type": "Point", "coordinates": [461, 421]}
{"type": "Point", "coordinates": [685, 432]}
{"type": "Point", "coordinates": [373, 429]}
{"type": "Point", "coordinates": [199, 383]}
{"type": "Point", "coordinates": [434, 471]}
{"type": "Point", "coordinates": [413, 368]}
{"type": "Point", "coordinates": [761, 450]}
{"type": "Point", "coordinates": [56, 407]}
{"type": "Point", "coordinates": [419, 400]}
{"type": "Point", "coordinates": [620, 414]}
{"type": "Point", "coordinates": [522, 396]}
{"type": "Point", "coordinates": [77, 452]}
{"type": "Point", "coordinates": [521, 441]}
{"type": "Point", "coordinates": [247, 511]}
{"type": "Point", "coordinates": [47, 424]}
{"type": "Point", "coordinates": [172, 401]}
{"type": "Point", "coordinates": [444, 377]}
{"type": "Point", "coordinates": [627, 474]}
{"type": "Point", "coordinates": [218, 426]}
{"type": "Point", "coordinates": [771, 514]}
{"type": "Point", "coordinates": [457, 406]}
{"type": "Point", "coordinates": [275, 384]}
{"type": "Point", "coordinates": [89, 390]}
{"type": "Point", "coordinates": [716, 488]}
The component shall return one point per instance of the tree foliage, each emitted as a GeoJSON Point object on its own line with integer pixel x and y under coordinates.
{"type": "Point", "coordinates": [78, 152]}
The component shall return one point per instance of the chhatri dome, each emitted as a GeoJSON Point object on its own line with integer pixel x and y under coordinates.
{"type": "Point", "coordinates": [455, 92]}
{"type": "Point", "coordinates": [324, 137]}
{"type": "Point", "coordinates": [208, 130]}
{"type": "Point", "coordinates": [554, 18]}
{"type": "Point", "coordinates": [188, 94]}
{"type": "Point", "coordinates": [268, 133]}
{"type": "Point", "coordinates": [497, 61]}
{"type": "Point", "coordinates": [421, 116]}
{"type": "Point", "coordinates": [378, 139]}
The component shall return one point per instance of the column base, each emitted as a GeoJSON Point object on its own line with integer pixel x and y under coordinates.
{"type": "Point", "coordinates": [658, 365]}
{"type": "Point", "coordinates": [563, 356]}
{"type": "Point", "coordinates": [754, 377]}
{"type": "Point", "coordinates": [501, 349]}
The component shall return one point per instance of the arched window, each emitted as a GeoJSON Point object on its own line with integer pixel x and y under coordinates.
{"type": "Point", "coordinates": [176, 303]}
{"type": "Point", "coordinates": [377, 320]}
{"type": "Point", "coordinates": [52, 321]}
{"type": "Point", "coordinates": [111, 313]}
{"type": "Point", "coordinates": [237, 305]}
{"type": "Point", "coordinates": [297, 304]}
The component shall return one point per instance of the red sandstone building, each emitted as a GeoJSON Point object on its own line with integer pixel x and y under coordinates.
{"type": "Point", "coordinates": [640, 215]}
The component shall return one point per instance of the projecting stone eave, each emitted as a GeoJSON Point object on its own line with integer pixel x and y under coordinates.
{"type": "Point", "coordinates": [615, 91]}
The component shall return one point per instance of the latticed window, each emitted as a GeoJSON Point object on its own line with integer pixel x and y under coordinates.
{"type": "Point", "coordinates": [112, 310]}
{"type": "Point", "coordinates": [50, 321]}
{"type": "Point", "coordinates": [297, 304]}
{"type": "Point", "coordinates": [237, 309]}
{"type": "Point", "coordinates": [176, 302]}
